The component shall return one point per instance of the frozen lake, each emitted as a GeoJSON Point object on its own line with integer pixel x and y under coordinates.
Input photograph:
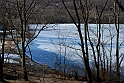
{"type": "Point", "coordinates": [53, 44]}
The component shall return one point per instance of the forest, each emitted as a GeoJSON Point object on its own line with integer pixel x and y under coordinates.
{"type": "Point", "coordinates": [16, 36]}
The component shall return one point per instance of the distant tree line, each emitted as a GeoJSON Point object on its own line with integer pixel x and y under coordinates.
{"type": "Point", "coordinates": [58, 14]}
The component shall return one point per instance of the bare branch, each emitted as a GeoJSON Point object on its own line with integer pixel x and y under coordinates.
{"type": "Point", "coordinates": [119, 5]}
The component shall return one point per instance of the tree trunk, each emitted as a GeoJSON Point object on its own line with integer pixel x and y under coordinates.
{"type": "Point", "coordinates": [3, 44]}
{"type": "Point", "coordinates": [2, 57]}
{"type": "Point", "coordinates": [24, 71]}
{"type": "Point", "coordinates": [1, 70]}
{"type": "Point", "coordinates": [88, 72]}
{"type": "Point", "coordinates": [117, 44]}
{"type": "Point", "coordinates": [85, 57]}
{"type": "Point", "coordinates": [117, 55]}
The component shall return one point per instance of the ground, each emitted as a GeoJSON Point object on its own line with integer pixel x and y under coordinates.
{"type": "Point", "coordinates": [37, 73]}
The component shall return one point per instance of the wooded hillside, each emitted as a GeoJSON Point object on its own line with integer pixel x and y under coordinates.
{"type": "Point", "coordinates": [54, 11]}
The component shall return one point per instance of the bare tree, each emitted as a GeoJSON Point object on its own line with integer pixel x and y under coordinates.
{"type": "Point", "coordinates": [3, 36]}
{"type": "Point", "coordinates": [19, 14]}
{"type": "Point", "coordinates": [83, 40]}
{"type": "Point", "coordinates": [25, 12]}
{"type": "Point", "coordinates": [101, 59]}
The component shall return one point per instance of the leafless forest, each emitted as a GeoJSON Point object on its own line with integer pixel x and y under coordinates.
{"type": "Point", "coordinates": [16, 35]}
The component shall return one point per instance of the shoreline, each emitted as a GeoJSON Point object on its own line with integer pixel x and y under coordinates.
{"type": "Point", "coordinates": [36, 73]}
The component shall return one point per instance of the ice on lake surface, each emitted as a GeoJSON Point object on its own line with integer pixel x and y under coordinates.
{"type": "Point", "coordinates": [52, 44]}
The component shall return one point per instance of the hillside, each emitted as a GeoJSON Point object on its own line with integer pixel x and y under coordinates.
{"type": "Point", "coordinates": [56, 13]}
{"type": "Point", "coordinates": [53, 11]}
